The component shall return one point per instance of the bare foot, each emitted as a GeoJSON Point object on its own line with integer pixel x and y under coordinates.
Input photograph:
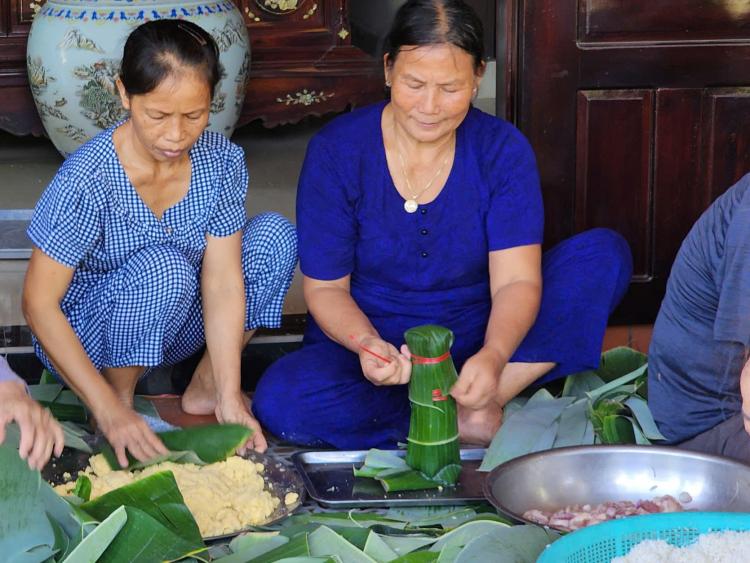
{"type": "Point", "coordinates": [478, 427]}
{"type": "Point", "coordinates": [200, 395]}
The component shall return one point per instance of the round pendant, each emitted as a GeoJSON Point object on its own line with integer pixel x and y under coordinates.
{"type": "Point", "coordinates": [410, 206]}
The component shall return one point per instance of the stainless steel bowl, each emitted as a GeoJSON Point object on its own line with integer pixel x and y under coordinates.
{"type": "Point", "coordinates": [552, 479]}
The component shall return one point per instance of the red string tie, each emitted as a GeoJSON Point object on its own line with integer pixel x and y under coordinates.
{"type": "Point", "coordinates": [426, 361]}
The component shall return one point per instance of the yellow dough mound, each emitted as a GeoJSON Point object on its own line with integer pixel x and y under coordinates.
{"type": "Point", "coordinates": [224, 497]}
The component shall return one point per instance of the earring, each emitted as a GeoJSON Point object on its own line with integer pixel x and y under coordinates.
{"type": "Point", "coordinates": [387, 83]}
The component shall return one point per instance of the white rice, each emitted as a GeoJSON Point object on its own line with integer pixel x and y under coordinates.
{"type": "Point", "coordinates": [717, 547]}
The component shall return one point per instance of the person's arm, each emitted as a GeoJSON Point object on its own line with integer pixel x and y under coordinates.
{"type": "Point", "coordinates": [41, 435]}
{"type": "Point", "coordinates": [516, 287]}
{"type": "Point", "coordinates": [44, 287]}
{"type": "Point", "coordinates": [223, 293]}
{"type": "Point", "coordinates": [341, 319]}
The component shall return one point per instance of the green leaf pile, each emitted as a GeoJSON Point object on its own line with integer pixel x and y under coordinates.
{"type": "Point", "coordinates": [414, 535]}
{"type": "Point", "coordinates": [603, 406]}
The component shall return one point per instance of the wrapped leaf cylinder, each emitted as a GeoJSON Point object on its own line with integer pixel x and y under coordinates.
{"type": "Point", "coordinates": [433, 446]}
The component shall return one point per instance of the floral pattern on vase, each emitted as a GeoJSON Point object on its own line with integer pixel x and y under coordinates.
{"type": "Point", "coordinates": [74, 51]}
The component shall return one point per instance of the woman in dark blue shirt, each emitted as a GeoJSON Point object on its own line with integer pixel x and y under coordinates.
{"type": "Point", "coordinates": [426, 210]}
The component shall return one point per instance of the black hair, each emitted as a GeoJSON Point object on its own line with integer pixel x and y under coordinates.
{"type": "Point", "coordinates": [432, 22]}
{"type": "Point", "coordinates": [153, 49]}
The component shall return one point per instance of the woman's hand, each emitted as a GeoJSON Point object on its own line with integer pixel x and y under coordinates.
{"type": "Point", "coordinates": [745, 392]}
{"type": "Point", "coordinates": [126, 431]}
{"type": "Point", "coordinates": [477, 383]}
{"type": "Point", "coordinates": [235, 410]}
{"type": "Point", "coordinates": [41, 435]}
{"type": "Point", "coordinates": [396, 371]}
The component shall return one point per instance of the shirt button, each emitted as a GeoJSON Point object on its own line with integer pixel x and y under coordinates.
{"type": "Point", "coordinates": [424, 254]}
{"type": "Point", "coordinates": [424, 231]}
{"type": "Point", "coordinates": [168, 230]}
{"type": "Point", "coordinates": [423, 211]}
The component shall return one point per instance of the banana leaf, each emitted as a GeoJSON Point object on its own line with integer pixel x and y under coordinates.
{"type": "Point", "coordinates": [326, 542]}
{"type": "Point", "coordinates": [249, 546]}
{"type": "Point", "coordinates": [62, 403]}
{"type": "Point", "coordinates": [617, 429]}
{"type": "Point", "coordinates": [525, 429]}
{"type": "Point", "coordinates": [146, 540]}
{"type": "Point", "coordinates": [196, 444]}
{"type": "Point", "coordinates": [296, 547]}
{"type": "Point", "coordinates": [645, 419]}
{"type": "Point", "coordinates": [464, 534]}
{"type": "Point", "coordinates": [95, 544]}
{"type": "Point", "coordinates": [377, 460]}
{"type": "Point", "coordinates": [158, 497]}
{"type": "Point", "coordinates": [620, 361]}
{"type": "Point", "coordinates": [377, 549]}
{"type": "Point", "coordinates": [418, 557]}
{"type": "Point", "coordinates": [578, 384]}
{"type": "Point", "coordinates": [447, 517]}
{"type": "Point", "coordinates": [26, 532]}
{"type": "Point", "coordinates": [517, 544]}
{"type": "Point", "coordinates": [83, 487]}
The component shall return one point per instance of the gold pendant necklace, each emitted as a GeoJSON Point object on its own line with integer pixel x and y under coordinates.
{"type": "Point", "coordinates": [410, 203]}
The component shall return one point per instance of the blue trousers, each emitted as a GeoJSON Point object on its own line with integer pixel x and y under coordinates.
{"type": "Point", "coordinates": [149, 313]}
{"type": "Point", "coordinates": [318, 397]}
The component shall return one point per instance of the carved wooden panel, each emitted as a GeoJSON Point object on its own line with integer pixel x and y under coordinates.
{"type": "Point", "coordinates": [675, 21]}
{"type": "Point", "coordinates": [637, 113]}
{"type": "Point", "coordinates": [613, 178]}
{"type": "Point", "coordinates": [303, 63]}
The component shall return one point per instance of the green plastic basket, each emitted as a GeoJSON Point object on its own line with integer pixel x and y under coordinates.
{"type": "Point", "coordinates": [603, 542]}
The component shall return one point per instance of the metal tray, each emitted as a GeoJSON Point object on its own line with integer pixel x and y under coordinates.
{"type": "Point", "coordinates": [329, 480]}
{"type": "Point", "coordinates": [280, 476]}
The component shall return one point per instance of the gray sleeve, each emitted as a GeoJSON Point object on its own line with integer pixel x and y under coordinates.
{"type": "Point", "coordinates": [732, 319]}
{"type": "Point", "coordinates": [6, 373]}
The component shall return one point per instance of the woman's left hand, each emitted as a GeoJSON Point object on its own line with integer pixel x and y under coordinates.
{"type": "Point", "coordinates": [477, 383]}
{"type": "Point", "coordinates": [235, 410]}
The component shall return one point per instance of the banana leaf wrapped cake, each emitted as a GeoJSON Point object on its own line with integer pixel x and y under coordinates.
{"type": "Point", "coordinates": [432, 455]}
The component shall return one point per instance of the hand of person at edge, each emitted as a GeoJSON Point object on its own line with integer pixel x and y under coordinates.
{"type": "Point", "coordinates": [235, 410]}
{"type": "Point", "coordinates": [396, 371]}
{"type": "Point", "coordinates": [477, 383]}
{"type": "Point", "coordinates": [126, 431]}
{"type": "Point", "coordinates": [745, 392]}
{"type": "Point", "coordinates": [41, 435]}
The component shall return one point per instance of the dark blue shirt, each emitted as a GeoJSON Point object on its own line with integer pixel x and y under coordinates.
{"type": "Point", "coordinates": [425, 267]}
{"type": "Point", "coordinates": [699, 343]}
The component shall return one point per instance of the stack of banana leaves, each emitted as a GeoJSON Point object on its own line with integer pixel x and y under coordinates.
{"type": "Point", "coordinates": [603, 406]}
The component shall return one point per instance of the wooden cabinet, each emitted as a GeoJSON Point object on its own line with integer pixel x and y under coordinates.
{"type": "Point", "coordinates": [637, 112]}
{"type": "Point", "coordinates": [303, 63]}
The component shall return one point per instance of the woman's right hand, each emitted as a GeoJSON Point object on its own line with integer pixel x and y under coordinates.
{"type": "Point", "coordinates": [396, 371]}
{"type": "Point", "coordinates": [126, 431]}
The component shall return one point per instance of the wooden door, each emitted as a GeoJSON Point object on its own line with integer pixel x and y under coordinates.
{"type": "Point", "coordinates": [639, 113]}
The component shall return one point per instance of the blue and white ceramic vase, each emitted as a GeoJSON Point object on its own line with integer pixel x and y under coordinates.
{"type": "Point", "coordinates": [74, 53]}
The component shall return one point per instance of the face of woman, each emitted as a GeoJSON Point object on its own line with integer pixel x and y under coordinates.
{"type": "Point", "coordinates": [168, 120]}
{"type": "Point", "coordinates": [431, 89]}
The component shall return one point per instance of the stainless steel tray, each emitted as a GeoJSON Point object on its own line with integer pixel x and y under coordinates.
{"type": "Point", "coordinates": [329, 479]}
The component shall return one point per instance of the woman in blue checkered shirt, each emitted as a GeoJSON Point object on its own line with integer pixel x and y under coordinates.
{"type": "Point", "coordinates": [143, 252]}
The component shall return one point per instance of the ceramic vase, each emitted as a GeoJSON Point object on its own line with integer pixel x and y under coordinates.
{"type": "Point", "coordinates": [74, 52]}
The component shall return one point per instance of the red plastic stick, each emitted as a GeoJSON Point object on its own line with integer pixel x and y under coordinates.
{"type": "Point", "coordinates": [378, 356]}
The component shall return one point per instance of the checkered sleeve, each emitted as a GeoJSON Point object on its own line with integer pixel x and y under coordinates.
{"type": "Point", "coordinates": [229, 214]}
{"type": "Point", "coordinates": [65, 225]}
